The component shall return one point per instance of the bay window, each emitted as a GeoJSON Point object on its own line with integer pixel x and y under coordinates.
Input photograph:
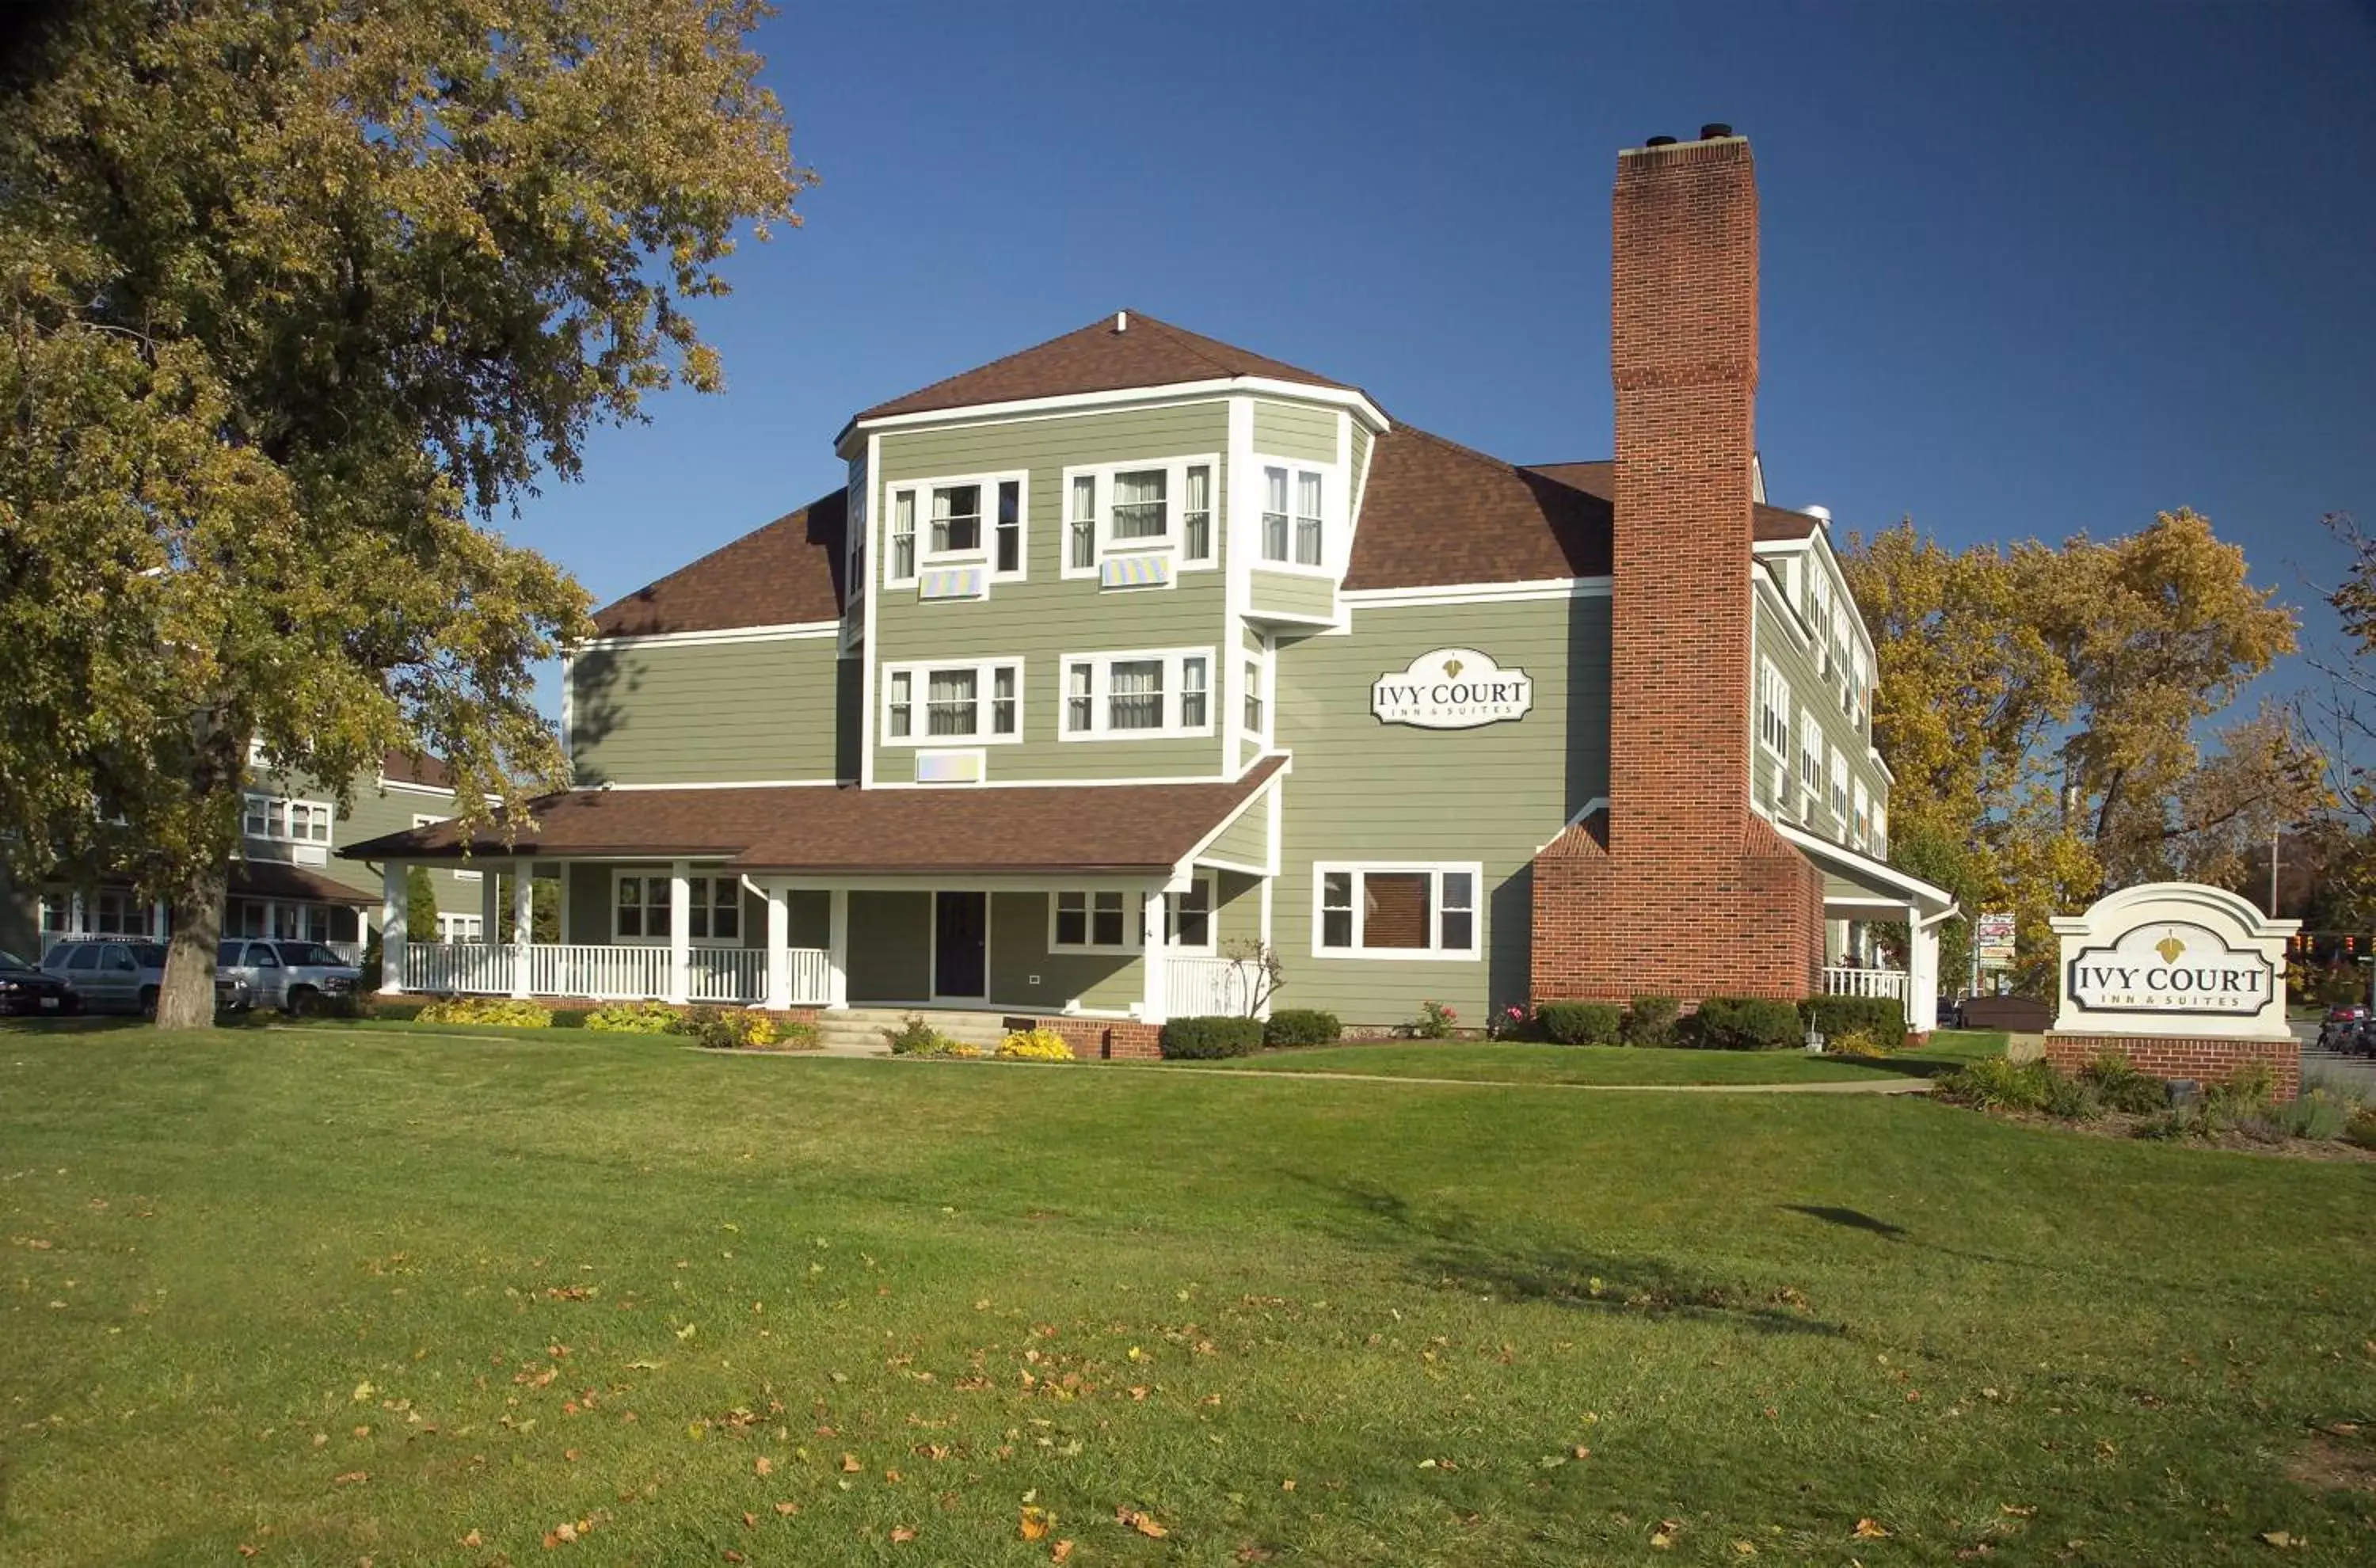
{"type": "Point", "coordinates": [1397, 911]}
{"type": "Point", "coordinates": [976, 700]}
{"type": "Point", "coordinates": [1137, 695]}
{"type": "Point", "coordinates": [1293, 529]}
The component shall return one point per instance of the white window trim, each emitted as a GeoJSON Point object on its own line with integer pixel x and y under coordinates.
{"type": "Point", "coordinates": [1101, 690]}
{"type": "Point", "coordinates": [1173, 543]}
{"type": "Point", "coordinates": [1838, 798]}
{"type": "Point", "coordinates": [698, 879]}
{"type": "Point", "coordinates": [450, 924]}
{"type": "Point", "coordinates": [1210, 945]}
{"type": "Point", "coordinates": [1263, 690]}
{"type": "Point", "coordinates": [920, 672]}
{"type": "Point", "coordinates": [1433, 954]}
{"type": "Point", "coordinates": [329, 817]}
{"type": "Point", "coordinates": [1131, 917]}
{"type": "Point", "coordinates": [1774, 711]}
{"type": "Point", "coordinates": [423, 819]}
{"type": "Point", "coordinates": [985, 554]}
{"type": "Point", "coordinates": [1334, 533]}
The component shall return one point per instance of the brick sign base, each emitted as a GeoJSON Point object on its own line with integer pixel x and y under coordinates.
{"type": "Point", "coordinates": [2163, 1056]}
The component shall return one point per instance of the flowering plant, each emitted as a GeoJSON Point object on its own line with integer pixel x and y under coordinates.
{"type": "Point", "coordinates": [1508, 1024]}
{"type": "Point", "coordinates": [1436, 1021]}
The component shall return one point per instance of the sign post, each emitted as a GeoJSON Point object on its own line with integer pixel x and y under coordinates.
{"type": "Point", "coordinates": [2181, 980]}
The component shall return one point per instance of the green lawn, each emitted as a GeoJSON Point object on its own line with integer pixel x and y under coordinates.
{"type": "Point", "coordinates": [1518, 1062]}
{"type": "Point", "coordinates": [347, 1296]}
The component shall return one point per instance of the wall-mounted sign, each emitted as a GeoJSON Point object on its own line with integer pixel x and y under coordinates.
{"type": "Point", "coordinates": [1453, 688]}
{"type": "Point", "coordinates": [2174, 958]}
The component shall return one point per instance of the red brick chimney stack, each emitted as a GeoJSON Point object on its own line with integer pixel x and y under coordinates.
{"type": "Point", "coordinates": [1682, 890]}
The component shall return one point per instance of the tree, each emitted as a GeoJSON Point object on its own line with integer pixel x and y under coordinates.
{"type": "Point", "coordinates": [419, 906]}
{"type": "Point", "coordinates": [2040, 708]}
{"type": "Point", "coordinates": [294, 295]}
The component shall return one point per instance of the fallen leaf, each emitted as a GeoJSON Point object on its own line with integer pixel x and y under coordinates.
{"type": "Point", "coordinates": [364, 1391]}
{"type": "Point", "coordinates": [1661, 1539]}
{"type": "Point", "coordinates": [1744, 1549]}
{"type": "Point", "coordinates": [733, 1556]}
{"type": "Point", "coordinates": [2017, 1510]}
{"type": "Point", "coordinates": [849, 1465]}
{"type": "Point", "coordinates": [787, 1509]}
{"type": "Point", "coordinates": [1143, 1523]}
{"type": "Point", "coordinates": [1868, 1530]}
{"type": "Point", "coordinates": [1035, 1522]}
{"type": "Point", "coordinates": [2283, 1538]}
{"type": "Point", "coordinates": [1060, 1550]}
{"type": "Point", "coordinates": [762, 1466]}
{"type": "Point", "coordinates": [350, 1477]}
{"type": "Point", "coordinates": [472, 1539]}
{"type": "Point", "coordinates": [245, 1550]}
{"type": "Point", "coordinates": [565, 1531]}
{"type": "Point", "coordinates": [901, 1535]}
{"type": "Point", "coordinates": [1581, 1452]}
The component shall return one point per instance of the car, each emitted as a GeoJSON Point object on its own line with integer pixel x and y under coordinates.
{"type": "Point", "coordinates": [2360, 1039]}
{"type": "Point", "coordinates": [2340, 1025]}
{"type": "Point", "coordinates": [121, 973]}
{"type": "Point", "coordinates": [26, 991]}
{"type": "Point", "coordinates": [295, 976]}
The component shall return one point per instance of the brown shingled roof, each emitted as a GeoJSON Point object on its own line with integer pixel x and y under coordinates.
{"type": "Point", "coordinates": [428, 772]}
{"type": "Point", "coordinates": [1099, 358]}
{"type": "Point", "coordinates": [1133, 828]}
{"type": "Point", "coordinates": [277, 879]}
{"type": "Point", "coordinates": [1770, 524]}
{"type": "Point", "coordinates": [1435, 513]}
{"type": "Point", "coordinates": [788, 572]}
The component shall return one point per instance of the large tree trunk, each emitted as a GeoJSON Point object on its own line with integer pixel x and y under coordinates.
{"type": "Point", "coordinates": [187, 1000]}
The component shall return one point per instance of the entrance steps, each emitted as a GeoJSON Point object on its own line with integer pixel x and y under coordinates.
{"type": "Point", "coordinates": [858, 1031]}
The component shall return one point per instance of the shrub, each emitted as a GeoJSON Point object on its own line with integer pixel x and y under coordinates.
{"type": "Point", "coordinates": [401, 1011]}
{"type": "Point", "coordinates": [571, 1017]}
{"type": "Point", "coordinates": [1509, 1023]}
{"type": "Point", "coordinates": [633, 1018]}
{"type": "Point", "coordinates": [1994, 1084]}
{"type": "Point", "coordinates": [2360, 1129]}
{"type": "Point", "coordinates": [1883, 1017]}
{"type": "Point", "coordinates": [485, 1010]}
{"type": "Point", "coordinates": [2071, 1098]}
{"type": "Point", "coordinates": [1436, 1021]}
{"type": "Point", "coordinates": [1745, 1023]}
{"type": "Point", "coordinates": [1860, 1042]}
{"type": "Point", "coordinates": [2121, 1087]}
{"type": "Point", "coordinates": [727, 1029]}
{"type": "Point", "coordinates": [1581, 1023]}
{"type": "Point", "coordinates": [1210, 1039]}
{"type": "Point", "coordinates": [1039, 1044]}
{"type": "Point", "coordinates": [1301, 1026]}
{"type": "Point", "coordinates": [1651, 1020]}
{"type": "Point", "coordinates": [794, 1034]}
{"type": "Point", "coordinates": [916, 1038]}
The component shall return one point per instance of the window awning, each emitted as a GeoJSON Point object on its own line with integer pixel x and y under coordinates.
{"type": "Point", "coordinates": [826, 829]}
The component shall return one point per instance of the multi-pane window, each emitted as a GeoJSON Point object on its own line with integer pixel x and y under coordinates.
{"type": "Point", "coordinates": [974, 701]}
{"type": "Point", "coordinates": [1138, 695]}
{"type": "Point", "coordinates": [1879, 843]}
{"type": "Point", "coordinates": [286, 821]}
{"type": "Point", "coordinates": [461, 928]}
{"type": "Point", "coordinates": [1819, 617]}
{"type": "Point", "coordinates": [1091, 920]}
{"type": "Point", "coordinates": [1811, 762]}
{"type": "Point", "coordinates": [975, 520]}
{"type": "Point", "coordinates": [1862, 823]}
{"type": "Point", "coordinates": [713, 908]}
{"type": "Point", "coordinates": [1196, 515]}
{"type": "Point", "coordinates": [1839, 789]}
{"type": "Point", "coordinates": [1166, 509]}
{"type": "Point", "coordinates": [1138, 504]}
{"type": "Point", "coordinates": [1292, 525]}
{"type": "Point", "coordinates": [1188, 917]}
{"type": "Point", "coordinates": [903, 535]}
{"type": "Point", "coordinates": [1081, 525]}
{"type": "Point", "coordinates": [1397, 911]}
{"type": "Point", "coordinates": [1858, 686]}
{"type": "Point", "coordinates": [956, 518]}
{"type": "Point", "coordinates": [1773, 709]}
{"type": "Point", "coordinates": [1009, 553]}
{"type": "Point", "coordinates": [1254, 712]}
{"type": "Point", "coordinates": [116, 912]}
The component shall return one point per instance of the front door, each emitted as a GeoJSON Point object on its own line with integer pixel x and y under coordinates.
{"type": "Point", "coordinates": [961, 945]}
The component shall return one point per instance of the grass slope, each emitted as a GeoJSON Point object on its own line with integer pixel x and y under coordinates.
{"type": "Point", "coordinates": [347, 1296]}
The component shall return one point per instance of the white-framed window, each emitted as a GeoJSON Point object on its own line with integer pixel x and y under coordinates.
{"type": "Point", "coordinates": [964, 520]}
{"type": "Point", "coordinates": [1157, 505]}
{"type": "Point", "coordinates": [1148, 694]}
{"type": "Point", "coordinates": [1841, 643]}
{"type": "Point", "coordinates": [1256, 720]}
{"type": "Point", "coordinates": [1810, 763]}
{"type": "Point", "coordinates": [1839, 790]}
{"type": "Point", "coordinates": [1879, 845]}
{"type": "Point", "coordinates": [286, 821]}
{"type": "Point", "coordinates": [1188, 918]}
{"type": "Point", "coordinates": [116, 911]}
{"type": "Point", "coordinates": [1819, 614]}
{"type": "Point", "coordinates": [1773, 709]}
{"type": "Point", "coordinates": [461, 928]}
{"type": "Point", "coordinates": [640, 909]}
{"type": "Point", "coordinates": [1858, 685]}
{"type": "Point", "coordinates": [1382, 910]}
{"type": "Point", "coordinates": [934, 703]}
{"type": "Point", "coordinates": [1863, 821]}
{"type": "Point", "coordinates": [1084, 922]}
{"type": "Point", "coordinates": [425, 819]}
{"type": "Point", "coordinates": [1295, 515]}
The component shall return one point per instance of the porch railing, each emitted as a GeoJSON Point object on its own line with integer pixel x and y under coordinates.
{"type": "Point", "coordinates": [608, 973]}
{"type": "Point", "coordinates": [1203, 987]}
{"type": "Point", "coordinates": [1846, 982]}
{"type": "Point", "coordinates": [348, 952]}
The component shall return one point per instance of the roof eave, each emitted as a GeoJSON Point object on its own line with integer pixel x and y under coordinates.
{"type": "Point", "coordinates": [1350, 398]}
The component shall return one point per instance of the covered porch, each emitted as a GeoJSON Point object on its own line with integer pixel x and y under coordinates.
{"type": "Point", "coordinates": [1122, 903]}
{"type": "Point", "coordinates": [1860, 893]}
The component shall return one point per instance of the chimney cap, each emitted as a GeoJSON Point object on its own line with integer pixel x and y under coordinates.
{"type": "Point", "coordinates": [1714, 130]}
{"type": "Point", "coordinates": [1122, 321]}
{"type": "Point", "coordinates": [1659, 141]}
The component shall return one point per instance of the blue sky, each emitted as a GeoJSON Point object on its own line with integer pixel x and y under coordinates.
{"type": "Point", "coordinates": [2028, 270]}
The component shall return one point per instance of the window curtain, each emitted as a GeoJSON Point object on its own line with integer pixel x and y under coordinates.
{"type": "Point", "coordinates": [1138, 504]}
{"type": "Point", "coordinates": [950, 697]}
{"type": "Point", "coordinates": [1137, 695]}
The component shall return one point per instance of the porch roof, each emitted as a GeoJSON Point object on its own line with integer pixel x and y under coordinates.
{"type": "Point", "coordinates": [1870, 877]}
{"type": "Point", "coordinates": [276, 879]}
{"type": "Point", "coordinates": [843, 828]}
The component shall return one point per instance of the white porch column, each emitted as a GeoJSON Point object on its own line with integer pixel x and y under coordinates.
{"type": "Point", "coordinates": [160, 915]}
{"type": "Point", "coordinates": [1155, 956]}
{"type": "Point", "coordinates": [394, 906]}
{"type": "Point", "coordinates": [523, 922]}
{"type": "Point", "coordinates": [680, 975]}
{"type": "Point", "coordinates": [491, 903]}
{"type": "Point", "coordinates": [77, 915]}
{"type": "Point", "coordinates": [837, 943]}
{"type": "Point", "coordinates": [1921, 974]}
{"type": "Point", "coordinates": [779, 955]}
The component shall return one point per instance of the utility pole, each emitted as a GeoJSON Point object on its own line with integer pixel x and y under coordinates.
{"type": "Point", "coordinates": [2273, 835]}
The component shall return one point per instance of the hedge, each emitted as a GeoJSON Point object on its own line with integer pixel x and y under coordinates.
{"type": "Point", "coordinates": [1580, 1023]}
{"type": "Point", "coordinates": [1883, 1017]}
{"type": "Point", "coordinates": [1301, 1026]}
{"type": "Point", "coordinates": [1746, 1023]}
{"type": "Point", "coordinates": [1210, 1038]}
{"type": "Point", "coordinates": [1651, 1020]}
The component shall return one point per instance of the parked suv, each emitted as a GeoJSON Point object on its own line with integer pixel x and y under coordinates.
{"type": "Point", "coordinates": [118, 973]}
{"type": "Point", "coordinates": [295, 976]}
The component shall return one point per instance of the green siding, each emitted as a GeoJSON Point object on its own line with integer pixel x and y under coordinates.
{"type": "Point", "coordinates": [1291, 593]}
{"type": "Point", "coordinates": [890, 946]}
{"type": "Point", "coordinates": [1295, 430]}
{"type": "Point", "coordinates": [1777, 639]}
{"type": "Point", "coordinates": [1048, 616]}
{"type": "Point", "coordinates": [1362, 790]}
{"type": "Point", "coordinates": [370, 813]}
{"type": "Point", "coordinates": [706, 713]}
{"type": "Point", "coordinates": [587, 889]}
{"type": "Point", "coordinates": [1018, 951]}
{"type": "Point", "coordinates": [1247, 841]}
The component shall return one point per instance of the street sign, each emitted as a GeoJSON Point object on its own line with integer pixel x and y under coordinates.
{"type": "Point", "coordinates": [1993, 933]}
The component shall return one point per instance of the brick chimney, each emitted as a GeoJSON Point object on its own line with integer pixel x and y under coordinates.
{"type": "Point", "coordinates": [1681, 889]}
